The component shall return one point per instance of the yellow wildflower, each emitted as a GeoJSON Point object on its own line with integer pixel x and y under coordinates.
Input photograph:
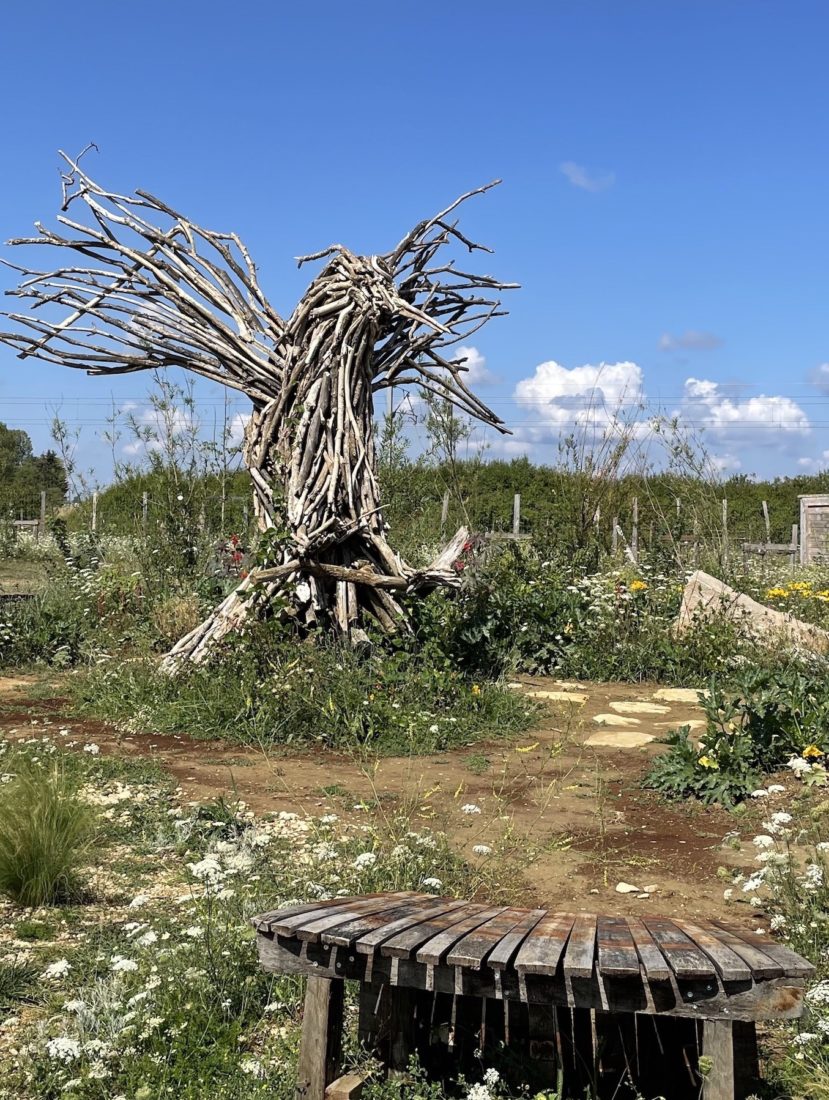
{"type": "Point", "coordinates": [812, 750]}
{"type": "Point", "coordinates": [527, 748]}
{"type": "Point", "coordinates": [476, 689]}
{"type": "Point", "coordinates": [637, 586]}
{"type": "Point", "coordinates": [776, 593]}
{"type": "Point", "coordinates": [708, 762]}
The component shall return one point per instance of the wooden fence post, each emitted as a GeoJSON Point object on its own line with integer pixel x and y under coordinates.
{"type": "Point", "coordinates": [444, 512]}
{"type": "Point", "coordinates": [41, 530]}
{"type": "Point", "coordinates": [767, 521]}
{"type": "Point", "coordinates": [516, 514]}
{"type": "Point", "coordinates": [95, 511]}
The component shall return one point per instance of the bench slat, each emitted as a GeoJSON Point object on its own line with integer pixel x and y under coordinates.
{"type": "Point", "coordinates": [581, 947]}
{"type": "Point", "coordinates": [474, 947]}
{"type": "Point", "coordinates": [684, 957]}
{"type": "Point", "coordinates": [501, 955]}
{"type": "Point", "coordinates": [405, 943]}
{"type": "Point", "coordinates": [794, 966]}
{"type": "Point", "coordinates": [267, 922]}
{"type": "Point", "coordinates": [543, 947]}
{"type": "Point", "coordinates": [763, 966]}
{"type": "Point", "coordinates": [616, 950]}
{"type": "Point", "coordinates": [731, 966]}
{"type": "Point", "coordinates": [418, 909]}
{"type": "Point", "coordinates": [653, 961]}
{"type": "Point", "coordinates": [433, 950]}
{"type": "Point", "coordinates": [309, 926]}
{"type": "Point", "coordinates": [367, 943]}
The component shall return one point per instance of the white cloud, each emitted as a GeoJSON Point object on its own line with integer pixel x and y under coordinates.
{"type": "Point", "coordinates": [477, 372]}
{"type": "Point", "coordinates": [820, 377]}
{"type": "Point", "coordinates": [578, 175]}
{"type": "Point", "coordinates": [589, 396]}
{"type": "Point", "coordinates": [236, 429]}
{"type": "Point", "coordinates": [710, 407]}
{"type": "Point", "coordinates": [691, 340]}
{"type": "Point", "coordinates": [814, 464]}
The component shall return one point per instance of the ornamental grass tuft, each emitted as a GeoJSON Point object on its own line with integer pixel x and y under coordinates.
{"type": "Point", "coordinates": [45, 833]}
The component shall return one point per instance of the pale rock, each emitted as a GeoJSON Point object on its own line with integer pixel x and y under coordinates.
{"type": "Point", "coordinates": [626, 888]}
{"type": "Point", "coordinates": [679, 695]}
{"type": "Point", "coordinates": [619, 739]}
{"type": "Point", "coordinates": [629, 706]}
{"type": "Point", "coordinates": [616, 720]}
{"type": "Point", "coordinates": [576, 698]}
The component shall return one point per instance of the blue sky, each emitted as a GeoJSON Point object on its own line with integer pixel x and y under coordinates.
{"type": "Point", "coordinates": [664, 203]}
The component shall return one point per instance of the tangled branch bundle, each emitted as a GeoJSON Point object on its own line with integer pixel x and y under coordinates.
{"type": "Point", "coordinates": [147, 288]}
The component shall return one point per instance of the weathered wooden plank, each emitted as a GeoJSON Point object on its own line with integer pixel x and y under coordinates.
{"type": "Point", "coordinates": [616, 950]}
{"type": "Point", "coordinates": [794, 965]}
{"type": "Point", "coordinates": [311, 929]}
{"type": "Point", "coordinates": [501, 955]}
{"type": "Point", "coordinates": [368, 942]}
{"type": "Point", "coordinates": [266, 922]}
{"type": "Point", "coordinates": [580, 955]}
{"type": "Point", "coordinates": [731, 966]}
{"type": "Point", "coordinates": [348, 1087]}
{"type": "Point", "coordinates": [763, 966]}
{"type": "Point", "coordinates": [433, 949]}
{"type": "Point", "coordinates": [543, 946]}
{"type": "Point", "coordinates": [684, 958]}
{"type": "Point", "coordinates": [344, 935]}
{"type": "Point", "coordinates": [404, 943]}
{"type": "Point", "coordinates": [653, 961]}
{"type": "Point", "coordinates": [320, 1046]}
{"type": "Point", "coordinates": [475, 946]}
{"type": "Point", "coordinates": [779, 998]}
{"type": "Point", "coordinates": [288, 924]}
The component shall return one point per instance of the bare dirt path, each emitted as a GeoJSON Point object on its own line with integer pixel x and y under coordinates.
{"type": "Point", "coordinates": [564, 802]}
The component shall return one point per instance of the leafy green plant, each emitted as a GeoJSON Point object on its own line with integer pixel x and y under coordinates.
{"type": "Point", "coordinates": [754, 723]}
{"type": "Point", "coordinates": [45, 834]}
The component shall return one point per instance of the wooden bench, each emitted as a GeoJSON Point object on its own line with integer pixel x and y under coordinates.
{"type": "Point", "coordinates": [577, 1001]}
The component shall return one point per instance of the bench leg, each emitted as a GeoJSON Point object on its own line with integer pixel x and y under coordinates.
{"type": "Point", "coordinates": [730, 1046]}
{"type": "Point", "coordinates": [320, 1046]}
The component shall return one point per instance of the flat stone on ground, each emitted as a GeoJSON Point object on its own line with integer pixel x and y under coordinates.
{"type": "Point", "coordinates": [576, 698]}
{"type": "Point", "coordinates": [678, 695]}
{"type": "Point", "coordinates": [691, 723]}
{"type": "Point", "coordinates": [620, 739]}
{"type": "Point", "coordinates": [629, 706]}
{"type": "Point", "coordinates": [616, 720]}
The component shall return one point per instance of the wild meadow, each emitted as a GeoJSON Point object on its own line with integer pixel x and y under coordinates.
{"type": "Point", "coordinates": [127, 964]}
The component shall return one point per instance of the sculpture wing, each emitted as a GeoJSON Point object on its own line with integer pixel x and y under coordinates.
{"type": "Point", "coordinates": [137, 295]}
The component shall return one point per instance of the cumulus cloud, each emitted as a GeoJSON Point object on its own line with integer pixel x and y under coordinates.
{"type": "Point", "coordinates": [814, 464]}
{"type": "Point", "coordinates": [590, 396]}
{"type": "Point", "coordinates": [477, 372]}
{"type": "Point", "coordinates": [691, 340]}
{"type": "Point", "coordinates": [710, 407]}
{"type": "Point", "coordinates": [236, 429]}
{"type": "Point", "coordinates": [578, 175]}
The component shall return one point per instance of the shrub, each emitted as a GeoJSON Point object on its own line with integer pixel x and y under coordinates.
{"type": "Point", "coordinates": [754, 725]}
{"type": "Point", "coordinates": [45, 833]}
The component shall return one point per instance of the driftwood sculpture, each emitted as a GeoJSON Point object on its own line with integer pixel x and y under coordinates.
{"type": "Point", "coordinates": [139, 295]}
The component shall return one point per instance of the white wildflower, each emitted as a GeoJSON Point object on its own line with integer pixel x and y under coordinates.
{"type": "Point", "coordinates": [63, 1049]}
{"type": "Point", "coordinates": [482, 850]}
{"type": "Point", "coordinates": [57, 969]}
{"type": "Point", "coordinates": [93, 750]}
{"type": "Point", "coordinates": [470, 808]}
{"type": "Point", "coordinates": [364, 859]}
{"type": "Point", "coordinates": [121, 965]}
{"type": "Point", "coordinates": [432, 883]}
{"type": "Point", "coordinates": [763, 841]}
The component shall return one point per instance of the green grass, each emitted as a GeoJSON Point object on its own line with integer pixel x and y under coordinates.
{"type": "Point", "coordinates": [17, 983]}
{"type": "Point", "coordinates": [272, 690]}
{"type": "Point", "coordinates": [45, 834]}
